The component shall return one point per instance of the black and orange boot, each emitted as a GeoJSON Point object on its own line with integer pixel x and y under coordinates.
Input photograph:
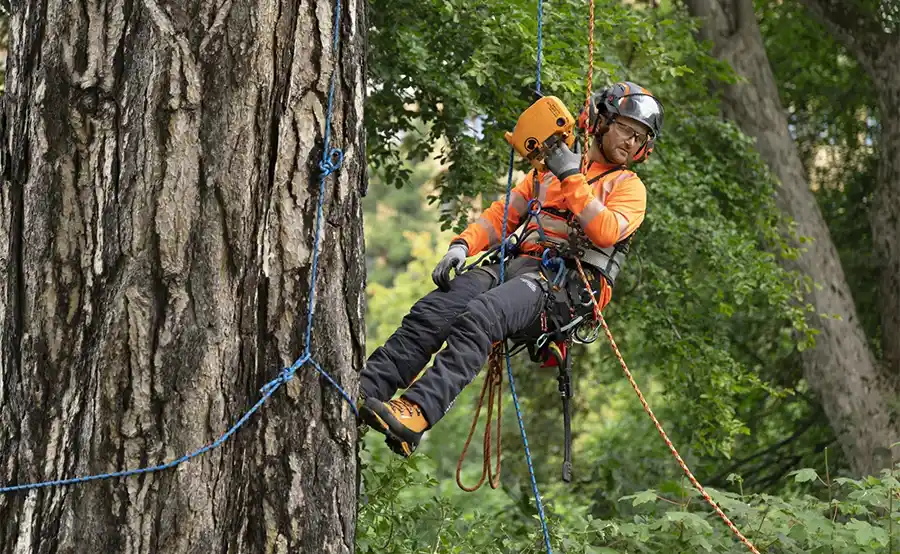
{"type": "Point", "coordinates": [400, 421]}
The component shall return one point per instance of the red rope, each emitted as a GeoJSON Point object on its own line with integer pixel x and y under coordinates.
{"type": "Point", "coordinates": [659, 428]}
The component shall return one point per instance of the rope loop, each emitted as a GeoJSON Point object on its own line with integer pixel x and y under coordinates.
{"type": "Point", "coordinates": [493, 383]}
{"type": "Point", "coordinates": [534, 207]}
{"type": "Point", "coordinates": [331, 161]}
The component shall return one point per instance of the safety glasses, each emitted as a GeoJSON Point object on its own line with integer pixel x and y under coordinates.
{"type": "Point", "coordinates": [626, 132]}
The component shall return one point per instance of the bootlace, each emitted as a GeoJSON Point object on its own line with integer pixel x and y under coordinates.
{"type": "Point", "coordinates": [403, 405]}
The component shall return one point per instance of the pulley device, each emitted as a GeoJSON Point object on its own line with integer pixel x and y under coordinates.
{"type": "Point", "coordinates": [544, 122]}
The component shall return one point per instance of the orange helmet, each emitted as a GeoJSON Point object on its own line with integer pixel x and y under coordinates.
{"type": "Point", "coordinates": [626, 99]}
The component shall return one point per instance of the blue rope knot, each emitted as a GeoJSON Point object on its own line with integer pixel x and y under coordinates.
{"type": "Point", "coordinates": [286, 375]}
{"type": "Point", "coordinates": [534, 207]}
{"type": "Point", "coordinates": [331, 161]}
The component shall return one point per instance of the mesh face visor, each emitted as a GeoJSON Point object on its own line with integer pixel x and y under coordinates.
{"type": "Point", "coordinates": [643, 108]}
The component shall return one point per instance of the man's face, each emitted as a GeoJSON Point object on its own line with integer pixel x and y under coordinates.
{"type": "Point", "coordinates": [625, 137]}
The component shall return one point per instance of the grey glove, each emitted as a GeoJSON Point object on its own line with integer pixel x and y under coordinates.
{"type": "Point", "coordinates": [455, 258]}
{"type": "Point", "coordinates": [561, 161]}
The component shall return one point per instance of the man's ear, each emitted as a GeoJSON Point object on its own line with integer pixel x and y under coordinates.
{"type": "Point", "coordinates": [603, 124]}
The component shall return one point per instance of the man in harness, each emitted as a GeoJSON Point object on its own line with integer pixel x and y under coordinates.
{"type": "Point", "coordinates": [564, 212]}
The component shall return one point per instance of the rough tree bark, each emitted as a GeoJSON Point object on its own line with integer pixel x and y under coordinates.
{"type": "Point", "coordinates": [874, 39]}
{"type": "Point", "coordinates": [841, 368]}
{"type": "Point", "coordinates": [160, 179]}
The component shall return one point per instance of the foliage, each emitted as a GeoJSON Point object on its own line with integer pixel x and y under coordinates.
{"type": "Point", "coordinates": [824, 515]}
{"type": "Point", "coordinates": [387, 304]}
{"type": "Point", "coordinates": [829, 98]}
{"type": "Point", "coordinates": [389, 523]}
{"type": "Point", "coordinates": [390, 211]}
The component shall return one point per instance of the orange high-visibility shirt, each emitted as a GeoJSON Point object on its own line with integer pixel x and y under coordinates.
{"type": "Point", "coordinates": [608, 209]}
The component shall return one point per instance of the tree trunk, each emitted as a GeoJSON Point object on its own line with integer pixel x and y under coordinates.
{"type": "Point", "coordinates": [877, 49]}
{"type": "Point", "coordinates": [841, 368]}
{"type": "Point", "coordinates": [160, 181]}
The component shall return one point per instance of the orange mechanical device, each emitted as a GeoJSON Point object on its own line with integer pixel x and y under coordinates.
{"type": "Point", "coordinates": [542, 121]}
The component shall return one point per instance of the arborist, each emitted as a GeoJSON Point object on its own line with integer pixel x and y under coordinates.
{"type": "Point", "coordinates": [567, 211]}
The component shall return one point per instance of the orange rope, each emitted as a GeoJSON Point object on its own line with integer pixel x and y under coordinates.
{"type": "Point", "coordinates": [493, 384]}
{"type": "Point", "coordinates": [590, 80]}
{"type": "Point", "coordinates": [659, 428]}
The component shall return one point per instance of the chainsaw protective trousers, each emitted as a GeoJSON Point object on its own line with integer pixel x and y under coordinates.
{"type": "Point", "coordinates": [477, 311]}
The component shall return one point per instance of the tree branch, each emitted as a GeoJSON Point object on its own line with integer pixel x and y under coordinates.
{"type": "Point", "coordinates": [858, 31]}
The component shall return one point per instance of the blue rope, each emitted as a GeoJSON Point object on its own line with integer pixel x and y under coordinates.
{"type": "Point", "coordinates": [512, 382]}
{"type": "Point", "coordinates": [331, 162]}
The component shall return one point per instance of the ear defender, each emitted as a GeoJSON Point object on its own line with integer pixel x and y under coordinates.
{"type": "Point", "coordinates": [644, 152]}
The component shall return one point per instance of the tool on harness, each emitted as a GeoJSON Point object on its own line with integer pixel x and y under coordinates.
{"type": "Point", "coordinates": [546, 118]}
{"type": "Point", "coordinates": [560, 355]}
{"type": "Point", "coordinates": [551, 348]}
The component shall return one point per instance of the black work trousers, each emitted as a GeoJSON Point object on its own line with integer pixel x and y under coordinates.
{"type": "Point", "coordinates": [477, 311]}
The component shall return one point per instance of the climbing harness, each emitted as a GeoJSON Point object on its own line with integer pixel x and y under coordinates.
{"type": "Point", "coordinates": [330, 163]}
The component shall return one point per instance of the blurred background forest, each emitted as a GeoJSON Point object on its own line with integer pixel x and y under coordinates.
{"type": "Point", "coordinates": [709, 316]}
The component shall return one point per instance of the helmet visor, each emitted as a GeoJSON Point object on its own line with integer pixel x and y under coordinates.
{"type": "Point", "coordinates": [643, 108]}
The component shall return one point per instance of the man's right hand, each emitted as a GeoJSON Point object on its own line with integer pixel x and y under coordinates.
{"type": "Point", "coordinates": [455, 258]}
{"type": "Point", "coordinates": [561, 161]}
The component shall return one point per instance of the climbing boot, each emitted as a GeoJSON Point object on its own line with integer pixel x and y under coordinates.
{"type": "Point", "coordinates": [400, 421]}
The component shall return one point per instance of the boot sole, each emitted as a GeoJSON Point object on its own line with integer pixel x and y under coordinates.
{"type": "Point", "coordinates": [396, 443]}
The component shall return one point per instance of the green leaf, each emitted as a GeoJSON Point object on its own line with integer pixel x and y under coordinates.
{"type": "Point", "coordinates": [865, 533]}
{"type": "Point", "coordinates": [804, 475]}
{"type": "Point", "coordinates": [644, 497]}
